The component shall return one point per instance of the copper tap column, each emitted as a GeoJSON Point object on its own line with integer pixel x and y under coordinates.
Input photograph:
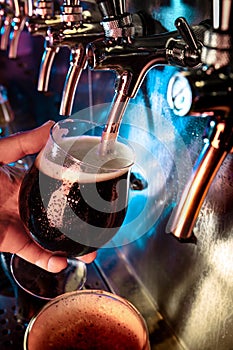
{"type": "Point", "coordinates": [211, 95]}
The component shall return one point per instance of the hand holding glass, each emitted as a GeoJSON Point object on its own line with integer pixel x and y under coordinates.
{"type": "Point", "coordinates": [73, 200]}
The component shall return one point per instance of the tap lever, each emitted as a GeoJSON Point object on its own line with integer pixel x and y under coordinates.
{"type": "Point", "coordinates": [186, 52]}
{"type": "Point", "coordinates": [187, 33]}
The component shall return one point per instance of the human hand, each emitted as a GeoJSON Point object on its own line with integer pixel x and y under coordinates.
{"type": "Point", "coordinates": [13, 235]}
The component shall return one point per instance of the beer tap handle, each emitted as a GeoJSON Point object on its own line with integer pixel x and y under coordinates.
{"type": "Point", "coordinates": [187, 33]}
{"type": "Point", "coordinates": [78, 62]}
{"type": "Point", "coordinates": [45, 67]}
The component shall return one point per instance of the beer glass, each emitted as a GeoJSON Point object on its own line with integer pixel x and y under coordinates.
{"type": "Point", "coordinates": [72, 201]}
{"type": "Point", "coordinates": [86, 320]}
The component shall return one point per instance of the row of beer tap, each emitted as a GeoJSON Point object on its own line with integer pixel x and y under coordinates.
{"type": "Point", "coordinates": [127, 43]}
{"type": "Point", "coordinates": [102, 35]}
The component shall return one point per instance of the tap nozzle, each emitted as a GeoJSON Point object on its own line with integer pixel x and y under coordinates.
{"type": "Point", "coordinates": [77, 64]}
{"type": "Point", "coordinates": [6, 112]}
{"type": "Point", "coordinates": [18, 24]}
{"type": "Point", "coordinates": [7, 15]}
{"type": "Point", "coordinates": [45, 67]}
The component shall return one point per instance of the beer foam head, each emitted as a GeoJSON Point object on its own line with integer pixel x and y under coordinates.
{"type": "Point", "coordinates": [79, 320]}
{"type": "Point", "coordinates": [85, 163]}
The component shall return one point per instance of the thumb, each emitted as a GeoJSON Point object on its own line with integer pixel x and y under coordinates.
{"type": "Point", "coordinates": [24, 143]}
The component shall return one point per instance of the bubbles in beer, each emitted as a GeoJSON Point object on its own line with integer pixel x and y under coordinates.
{"type": "Point", "coordinates": [74, 203]}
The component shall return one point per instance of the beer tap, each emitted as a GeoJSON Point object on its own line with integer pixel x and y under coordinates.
{"type": "Point", "coordinates": [46, 14]}
{"type": "Point", "coordinates": [206, 92]}
{"type": "Point", "coordinates": [2, 11]}
{"type": "Point", "coordinates": [6, 113]}
{"type": "Point", "coordinates": [88, 30]}
{"type": "Point", "coordinates": [76, 33]}
{"type": "Point", "coordinates": [22, 9]}
{"type": "Point", "coordinates": [77, 28]}
{"type": "Point", "coordinates": [132, 57]}
{"type": "Point", "coordinates": [7, 15]}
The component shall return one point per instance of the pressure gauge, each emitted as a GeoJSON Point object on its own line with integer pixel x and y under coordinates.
{"type": "Point", "coordinates": [179, 94]}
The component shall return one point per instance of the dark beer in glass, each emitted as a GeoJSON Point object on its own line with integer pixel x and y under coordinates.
{"type": "Point", "coordinates": [74, 198]}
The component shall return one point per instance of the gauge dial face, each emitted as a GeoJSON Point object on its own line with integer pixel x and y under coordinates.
{"type": "Point", "coordinates": [179, 94]}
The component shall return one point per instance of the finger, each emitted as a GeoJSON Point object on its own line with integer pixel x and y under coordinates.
{"type": "Point", "coordinates": [24, 143]}
{"type": "Point", "coordinates": [88, 258]}
{"type": "Point", "coordinates": [16, 241]}
{"type": "Point", "coordinates": [45, 260]}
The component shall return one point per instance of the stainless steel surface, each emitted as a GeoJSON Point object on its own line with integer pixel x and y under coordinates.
{"type": "Point", "coordinates": [123, 281]}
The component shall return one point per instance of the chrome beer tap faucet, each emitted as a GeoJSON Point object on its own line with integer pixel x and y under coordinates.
{"type": "Point", "coordinates": [6, 113]}
{"type": "Point", "coordinates": [7, 15]}
{"type": "Point", "coordinates": [22, 10]}
{"type": "Point", "coordinates": [88, 30]}
{"type": "Point", "coordinates": [47, 13]}
{"type": "Point", "coordinates": [91, 30]}
{"type": "Point", "coordinates": [206, 92]}
{"type": "Point", "coordinates": [71, 17]}
{"type": "Point", "coordinates": [2, 12]}
{"type": "Point", "coordinates": [78, 27]}
{"type": "Point", "coordinates": [132, 57]}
